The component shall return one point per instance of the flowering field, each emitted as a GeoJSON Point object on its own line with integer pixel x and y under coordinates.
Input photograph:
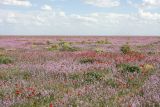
{"type": "Point", "coordinates": [79, 71]}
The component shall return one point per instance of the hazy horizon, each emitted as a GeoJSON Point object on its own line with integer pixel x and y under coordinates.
{"type": "Point", "coordinates": [36, 35]}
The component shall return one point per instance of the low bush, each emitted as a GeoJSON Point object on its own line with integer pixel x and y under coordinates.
{"type": "Point", "coordinates": [133, 69]}
{"type": "Point", "coordinates": [98, 50]}
{"type": "Point", "coordinates": [63, 46]}
{"type": "Point", "coordinates": [69, 49]}
{"type": "Point", "coordinates": [26, 75]}
{"type": "Point", "coordinates": [129, 68]}
{"type": "Point", "coordinates": [103, 42]}
{"type": "Point", "coordinates": [66, 46]}
{"type": "Point", "coordinates": [53, 48]}
{"type": "Point", "coordinates": [5, 60]}
{"type": "Point", "coordinates": [87, 77]}
{"type": "Point", "coordinates": [126, 48]}
{"type": "Point", "coordinates": [90, 77]}
{"type": "Point", "coordinates": [86, 60]}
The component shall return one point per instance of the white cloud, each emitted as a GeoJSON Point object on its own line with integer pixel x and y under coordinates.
{"type": "Point", "coordinates": [149, 15]}
{"type": "Point", "coordinates": [16, 2]}
{"type": "Point", "coordinates": [10, 17]}
{"type": "Point", "coordinates": [151, 3]}
{"type": "Point", "coordinates": [83, 18]}
{"type": "Point", "coordinates": [46, 7]}
{"type": "Point", "coordinates": [103, 3]}
{"type": "Point", "coordinates": [58, 22]}
{"type": "Point", "coordinates": [61, 13]}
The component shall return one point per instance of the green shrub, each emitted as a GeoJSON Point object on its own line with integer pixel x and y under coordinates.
{"type": "Point", "coordinates": [53, 48]}
{"type": "Point", "coordinates": [126, 48]}
{"type": "Point", "coordinates": [93, 76]}
{"type": "Point", "coordinates": [86, 60]}
{"type": "Point", "coordinates": [98, 50]}
{"type": "Point", "coordinates": [68, 49]}
{"type": "Point", "coordinates": [63, 46]}
{"type": "Point", "coordinates": [26, 75]}
{"type": "Point", "coordinates": [66, 46]}
{"type": "Point", "coordinates": [5, 60]}
{"type": "Point", "coordinates": [134, 69]}
{"type": "Point", "coordinates": [103, 42]}
{"type": "Point", "coordinates": [129, 68]}
{"type": "Point", "coordinates": [90, 77]}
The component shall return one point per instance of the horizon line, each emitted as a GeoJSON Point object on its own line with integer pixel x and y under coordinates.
{"type": "Point", "coordinates": [36, 35]}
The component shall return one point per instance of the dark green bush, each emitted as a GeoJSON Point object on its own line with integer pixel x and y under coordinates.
{"type": "Point", "coordinates": [126, 48]}
{"type": "Point", "coordinates": [26, 75]}
{"type": "Point", "coordinates": [87, 60]}
{"type": "Point", "coordinates": [93, 76]}
{"type": "Point", "coordinates": [129, 68]}
{"type": "Point", "coordinates": [134, 69]}
{"type": "Point", "coordinates": [103, 42]}
{"type": "Point", "coordinates": [53, 48]}
{"type": "Point", "coordinates": [81, 79]}
{"type": "Point", "coordinates": [5, 60]}
{"type": "Point", "coordinates": [68, 49]}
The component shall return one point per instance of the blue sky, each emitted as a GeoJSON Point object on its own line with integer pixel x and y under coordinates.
{"type": "Point", "coordinates": [79, 17]}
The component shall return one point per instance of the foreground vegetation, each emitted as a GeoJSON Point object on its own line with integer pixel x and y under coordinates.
{"type": "Point", "coordinates": [64, 74]}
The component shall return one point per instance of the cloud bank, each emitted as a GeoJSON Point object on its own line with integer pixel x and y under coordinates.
{"type": "Point", "coordinates": [48, 19]}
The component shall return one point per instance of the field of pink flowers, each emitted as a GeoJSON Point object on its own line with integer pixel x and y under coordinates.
{"type": "Point", "coordinates": [79, 71]}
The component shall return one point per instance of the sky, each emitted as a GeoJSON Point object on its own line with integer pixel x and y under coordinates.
{"type": "Point", "coordinates": [80, 17]}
